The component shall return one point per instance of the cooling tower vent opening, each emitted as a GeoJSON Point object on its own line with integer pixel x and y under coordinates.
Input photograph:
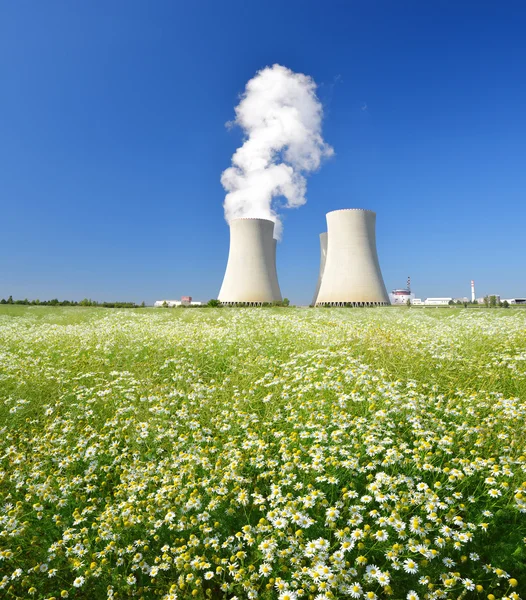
{"type": "Point", "coordinates": [250, 219]}
{"type": "Point", "coordinates": [351, 209]}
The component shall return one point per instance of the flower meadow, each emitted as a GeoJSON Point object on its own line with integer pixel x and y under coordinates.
{"type": "Point", "coordinates": [262, 453]}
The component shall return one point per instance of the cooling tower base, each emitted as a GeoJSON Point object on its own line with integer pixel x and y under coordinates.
{"type": "Point", "coordinates": [244, 303]}
{"type": "Point", "coordinates": [352, 304]}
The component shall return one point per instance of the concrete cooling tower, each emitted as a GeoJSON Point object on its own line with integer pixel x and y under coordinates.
{"type": "Point", "coordinates": [323, 256]}
{"type": "Point", "coordinates": [251, 276]}
{"type": "Point", "coordinates": [352, 274]}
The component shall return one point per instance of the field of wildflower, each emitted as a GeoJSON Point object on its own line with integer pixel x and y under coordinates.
{"type": "Point", "coordinates": [262, 453]}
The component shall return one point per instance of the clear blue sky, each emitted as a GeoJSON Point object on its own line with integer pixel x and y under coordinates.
{"type": "Point", "coordinates": [112, 141]}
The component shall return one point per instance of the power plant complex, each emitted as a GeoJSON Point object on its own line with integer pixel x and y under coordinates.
{"type": "Point", "coordinates": [349, 273]}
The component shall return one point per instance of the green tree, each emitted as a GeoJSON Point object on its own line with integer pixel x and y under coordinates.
{"type": "Point", "coordinates": [505, 304]}
{"type": "Point", "coordinates": [408, 303]}
{"type": "Point", "coordinates": [493, 301]}
{"type": "Point", "coordinates": [3, 301]}
{"type": "Point", "coordinates": [286, 302]}
{"type": "Point", "coordinates": [10, 300]}
{"type": "Point", "coordinates": [213, 303]}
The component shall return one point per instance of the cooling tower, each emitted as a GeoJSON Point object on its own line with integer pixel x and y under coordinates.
{"type": "Point", "coordinates": [323, 256]}
{"type": "Point", "coordinates": [251, 276]}
{"type": "Point", "coordinates": [352, 273]}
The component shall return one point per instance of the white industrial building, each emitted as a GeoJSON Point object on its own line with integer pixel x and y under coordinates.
{"type": "Point", "coordinates": [431, 302]}
{"type": "Point", "coordinates": [251, 277]}
{"type": "Point", "coordinates": [350, 272]}
{"type": "Point", "coordinates": [174, 303]}
{"type": "Point", "coordinates": [437, 301]}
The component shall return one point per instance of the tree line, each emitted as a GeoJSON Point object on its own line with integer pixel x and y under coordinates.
{"type": "Point", "coordinates": [488, 302]}
{"type": "Point", "coordinates": [88, 302]}
{"type": "Point", "coordinates": [85, 302]}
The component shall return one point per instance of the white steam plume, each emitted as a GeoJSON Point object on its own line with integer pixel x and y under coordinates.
{"type": "Point", "coordinates": [281, 116]}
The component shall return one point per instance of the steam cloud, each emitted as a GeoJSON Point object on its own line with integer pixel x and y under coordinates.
{"type": "Point", "coordinates": [281, 116]}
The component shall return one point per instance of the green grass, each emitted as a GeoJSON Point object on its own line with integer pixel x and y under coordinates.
{"type": "Point", "coordinates": [219, 444]}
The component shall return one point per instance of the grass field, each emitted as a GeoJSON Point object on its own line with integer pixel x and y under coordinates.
{"type": "Point", "coordinates": [262, 453]}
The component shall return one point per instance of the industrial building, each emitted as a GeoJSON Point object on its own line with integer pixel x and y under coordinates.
{"type": "Point", "coordinates": [431, 302]}
{"type": "Point", "coordinates": [251, 277]}
{"type": "Point", "coordinates": [184, 301]}
{"type": "Point", "coordinates": [402, 295]}
{"type": "Point", "coordinates": [437, 301]}
{"type": "Point", "coordinates": [350, 272]}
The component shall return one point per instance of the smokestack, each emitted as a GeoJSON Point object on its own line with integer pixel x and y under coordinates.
{"type": "Point", "coordinates": [352, 272]}
{"type": "Point", "coordinates": [323, 256]}
{"type": "Point", "coordinates": [280, 116]}
{"type": "Point", "coordinates": [251, 276]}
{"type": "Point", "coordinates": [472, 291]}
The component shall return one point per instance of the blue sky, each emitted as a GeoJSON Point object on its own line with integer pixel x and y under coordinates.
{"type": "Point", "coordinates": [113, 140]}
